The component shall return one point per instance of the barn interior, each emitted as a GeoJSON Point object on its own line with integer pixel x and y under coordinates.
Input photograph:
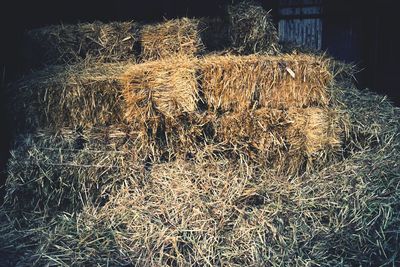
{"type": "Point", "coordinates": [359, 34]}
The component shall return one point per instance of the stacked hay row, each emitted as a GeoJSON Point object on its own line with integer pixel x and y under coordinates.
{"type": "Point", "coordinates": [248, 29]}
{"type": "Point", "coordinates": [61, 172]}
{"type": "Point", "coordinates": [185, 103]}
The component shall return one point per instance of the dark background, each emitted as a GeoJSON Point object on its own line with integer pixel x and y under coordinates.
{"type": "Point", "coordinates": [364, 32]}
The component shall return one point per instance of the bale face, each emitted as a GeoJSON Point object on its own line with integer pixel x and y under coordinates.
{"type": "Point", "coordinates": [233, 83]}
{"type": "Point", "coordinates": [167, 87]}
{"type": "Point", "coordinates": [315, 137]}
{"type": "Point", "coordinates": [254, 133]}
{"type": "Point", "coordinates": [252, 29]}
{"type": "Point", "coordinates": [104, 42]}
{"type": "Point", "coordinates": [290, 141]}
{"type": "Point", "coordinates": [171, 38]}
{"type": "Point", "coordinates": [61, 96]}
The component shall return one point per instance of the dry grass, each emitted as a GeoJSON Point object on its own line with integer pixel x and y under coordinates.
{"type": "Point", "coordinates": [51, 172]}
{"type": "Point", "coordinates": [167, 87]}
{"type": "Point", "coordinates": [216, 213]}
{"type": "Point", "coordinates": [171, 38]}
{"type": "Point", "coordinates": [289, 142]}
{"type": "Point", "coordinates": [105, 42]}
{"type": "Point", "coordinates": [252, 29]}
{"type": "Point", "coordinates": [241, 83]}
{"type": "Point", "coordinates": [268, 162]}
{"type": "Point", "coordinates": [84, 94]}
{"type": "Point", "coordinates": [236, 213]}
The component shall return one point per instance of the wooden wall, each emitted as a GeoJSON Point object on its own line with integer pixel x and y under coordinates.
{"type": "Point", "coordinates": [356, 31]}
{"type": "Point", "coordinates": [300, 22]}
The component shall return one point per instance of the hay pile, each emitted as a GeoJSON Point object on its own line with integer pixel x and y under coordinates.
{"type": "Point", "coordinates": [221, 160]}
{"type": "Point", "coordinates": [84, 94]}
{"type": "Point", "coordinates": [216, 213]}
{"type": "Point", "coordinates": [171, 38]}
{"type": "Point", "coordinates": [104, 42]}
{"type": "Point", "coordinates": [252, 29]}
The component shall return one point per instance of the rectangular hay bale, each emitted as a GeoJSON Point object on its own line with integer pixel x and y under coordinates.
{"type": "Point", "coordinates": [164, 87]}
{"type": "Point", "coordinates": [171, 38]}
{"type": "Point", "coordinates": [236, 83]}
{"type": "Point", "coordinates": [252, 29]}
{"type": "Point", "coordinates": [83, 94]}
{"type": "Point", "coordinates": [104, 42]}
{"type": "Point", "coordinates": [286, 140]}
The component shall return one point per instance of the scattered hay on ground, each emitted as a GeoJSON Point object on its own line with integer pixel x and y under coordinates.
{"type": "Point", "coordinates": [171, 38]}
{"type": "Point", "coordinates": [103, 42]}
{"type": "Point", "coordinates": [373, 119]}
{"type": "Point", "coordinates": [243, 82]}
{"type": "Point", "coordinates": [83, 94]}
{"type": "Point", "coordinates": [217, 213]}
{"type": "Point", "coordinates": [53, 172]}
{"type": "Point", "coordinates": [252, 29]}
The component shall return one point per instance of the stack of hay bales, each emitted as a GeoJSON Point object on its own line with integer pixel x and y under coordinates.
{"type": "Point", "coordinates": [175, 157]}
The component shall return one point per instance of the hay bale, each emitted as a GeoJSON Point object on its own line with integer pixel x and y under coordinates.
{"type": "Point", "coordinates": [84, 95]}
{"type": "Point", "coordinates": [166, 87]}
{"type": "Point", "coordinates": [290, 141]}
{"type": "Point", "coordinates": [104, 42]}
{"type": "Point", "coordinates": [53, 172]}
{"type": "Point", "coordinates": [254, 133]}
{"type": "Point", "coordinates": [172, 138]}
{"type": "Point", "coordinates": [252, 29]}
{"type": "Point", "coordinates": [235, 83]}
{"type": "Point", "coordinates": [314, 138]}
{"type": "Point", "coordinates": [171, 38]}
